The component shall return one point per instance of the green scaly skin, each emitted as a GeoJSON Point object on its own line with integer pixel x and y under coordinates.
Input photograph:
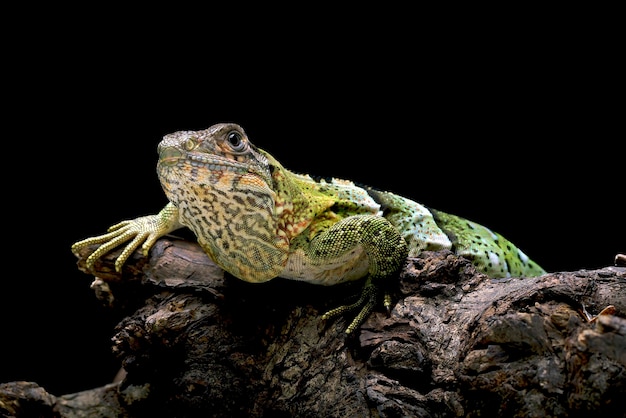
{"type": "Point", "coordinates": [258, 220]}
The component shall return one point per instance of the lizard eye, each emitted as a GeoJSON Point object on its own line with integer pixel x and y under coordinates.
{"type": "Point", "coordinates": [236, 142]}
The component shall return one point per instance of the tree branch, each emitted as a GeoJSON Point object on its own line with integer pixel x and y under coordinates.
{"type": "Point", "coordinates": [197, 341]}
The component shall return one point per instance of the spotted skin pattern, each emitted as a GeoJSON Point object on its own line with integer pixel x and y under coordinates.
{"type": "Point", "coordinates": [258, 220]}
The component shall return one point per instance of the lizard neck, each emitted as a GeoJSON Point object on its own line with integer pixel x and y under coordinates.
{"type": "Point", "coordinates": [295, 205]}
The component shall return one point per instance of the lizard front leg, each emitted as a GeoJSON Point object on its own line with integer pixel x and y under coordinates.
{"type": "Point", "coordinates": [145, 229]}
{"type": "Point", "coordinates": [384, 248]}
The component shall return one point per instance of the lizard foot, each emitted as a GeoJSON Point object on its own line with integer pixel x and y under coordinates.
{"type": "Point", "coordinates": [366, 303]}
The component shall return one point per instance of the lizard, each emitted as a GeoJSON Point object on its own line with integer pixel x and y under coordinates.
{"type": "Point", "coordinates": [258, 220]}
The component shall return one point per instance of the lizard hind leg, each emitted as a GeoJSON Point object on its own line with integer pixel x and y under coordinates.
{"type": "Point", "coordinates": [386, 250]}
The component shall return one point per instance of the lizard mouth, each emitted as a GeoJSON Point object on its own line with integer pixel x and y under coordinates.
{"type": "Point", "coordinates": [172, 156]}
{"type": "Point", "coordinates": [169, 156]}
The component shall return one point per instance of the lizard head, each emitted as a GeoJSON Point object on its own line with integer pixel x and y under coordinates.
{"type": "Point", "coordinates": [216, 163]}
{"type": "Point", "coordinates": [224, 189]}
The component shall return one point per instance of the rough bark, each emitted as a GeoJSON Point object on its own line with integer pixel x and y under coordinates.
{"type": "Point", "coordinates": [198, 342]}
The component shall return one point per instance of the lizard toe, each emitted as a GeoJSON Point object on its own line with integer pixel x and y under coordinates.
{"type": "Point", "coordinates": [366, 304]}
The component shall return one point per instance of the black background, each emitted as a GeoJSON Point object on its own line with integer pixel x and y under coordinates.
{"type": "Point", "coordinates": [522, 135]}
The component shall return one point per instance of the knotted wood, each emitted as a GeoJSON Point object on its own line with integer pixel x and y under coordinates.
{"type": "Point", "coordinates": [195, 341]}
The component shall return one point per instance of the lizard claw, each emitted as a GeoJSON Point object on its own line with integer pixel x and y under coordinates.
{"type": "Point", "coordinates": [366, 302]}
{"type": "Point", "coordinates": [387, 304]}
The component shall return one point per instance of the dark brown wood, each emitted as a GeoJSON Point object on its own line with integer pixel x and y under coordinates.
{"type": "Point", "coordinates": [198, 342]}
